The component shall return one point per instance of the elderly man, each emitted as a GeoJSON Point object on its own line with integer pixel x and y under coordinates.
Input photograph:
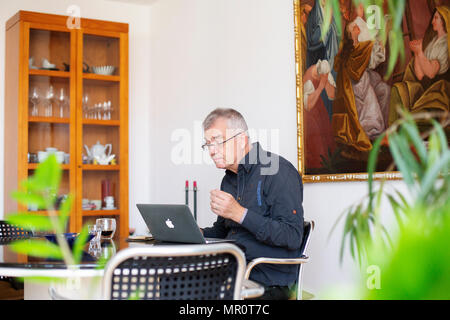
{"type": "Point", "coordinates": [259, 204]}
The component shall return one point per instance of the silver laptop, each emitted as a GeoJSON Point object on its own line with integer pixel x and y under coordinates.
{"type": "Point", "coordinates": [173, 223]}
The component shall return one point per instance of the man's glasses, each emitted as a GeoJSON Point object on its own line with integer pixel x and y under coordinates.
{"type": "Point", "coordinates": [217, 144]}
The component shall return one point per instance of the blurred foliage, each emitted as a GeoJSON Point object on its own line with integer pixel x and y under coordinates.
{"type": "Point", "coordinates": [425, 167]}
{"type": "Point", "coordinates": [417, 268]}
{"type": "Point", "coordinates": [415, 262]}
{"type": "Point", "coordinates": [40, 190]}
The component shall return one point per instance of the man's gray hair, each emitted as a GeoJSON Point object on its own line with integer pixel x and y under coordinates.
{"type": "Point", "coordinates": [235, 119]}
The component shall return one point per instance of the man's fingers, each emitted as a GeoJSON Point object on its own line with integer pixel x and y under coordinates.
{"type": "Point", "coordinates": [219, 194]}
{"type": "Point", "coordinates": [216, 205]}
{"type": "Point", "coordinates": [216, 210]}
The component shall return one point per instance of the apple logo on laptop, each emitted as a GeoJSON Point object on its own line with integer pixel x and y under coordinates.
{"type": "Point", "coordinates": [170, 224]}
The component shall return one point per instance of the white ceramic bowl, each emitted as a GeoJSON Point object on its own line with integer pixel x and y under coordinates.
{"type": "Point", "coordinates": [104, 70]}
{"type": "Point", "coordinates": [42, 155]}
{"type": "Point", "coordinates": [51, 150]}
{"type": "Point", "coordinates": [59, 156]}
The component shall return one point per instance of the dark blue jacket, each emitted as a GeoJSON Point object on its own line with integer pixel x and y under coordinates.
{"type": "Point", "coordinates": [271, 188]}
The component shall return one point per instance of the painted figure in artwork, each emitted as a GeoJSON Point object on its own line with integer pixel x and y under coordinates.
{"type": "Point", "coordinates": [361, 107]}
{"type": "Point", "coordinates": [319, 141]}
{"type": "Point", "coordinates": [305, 9]}
{"type": "Point", "coordinates": [319, 48]}
{"type": "Point", "coordinates": [426, 82]}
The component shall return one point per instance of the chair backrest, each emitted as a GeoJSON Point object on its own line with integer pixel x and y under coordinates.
{"type": "Point", "coordinates": [9, 232]}
{"type": "Point", "coordinates": [308, 228]}
{"type": "Point", "coordinates": [175, 272]}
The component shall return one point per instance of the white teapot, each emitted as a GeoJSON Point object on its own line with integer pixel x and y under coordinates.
{"type": "Point", "coordinates": [98, 151]}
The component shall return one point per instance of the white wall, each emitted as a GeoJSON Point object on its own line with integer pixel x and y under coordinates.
{"type": "Point", "coordinates": [137, 16]}
{"type": "Point", "coordinates": [235, 53]}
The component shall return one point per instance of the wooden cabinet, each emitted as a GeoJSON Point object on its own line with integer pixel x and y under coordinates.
{"type": "Point", "coordinates": [57, 95]}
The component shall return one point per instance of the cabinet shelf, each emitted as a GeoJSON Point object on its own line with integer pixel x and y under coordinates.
{"type": "Point", "coordinates": [49, 73]}
{"type": "Point", "coordinates": [101, 212]}
{"type": "Point", "coordinates": [94, 122]}
{"type": "Point", "coordinates": [33, 166]}
{"type": "Point", "coordinates": [42, 212]}
{"type": "Point", "coordinates": [99, 167]}
{"type": "Point", "coordinates": [101, 77]}
{"type": "Point", "coordinates": [49, 119]}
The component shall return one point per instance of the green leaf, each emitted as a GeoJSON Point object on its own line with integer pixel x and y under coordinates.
{"type": "Point", "coordinates": [327, 14]}
{"type": "Point", "coordinates": [398, 157]}
{"type": "Point", "coordinates": [434, 150]}
{"type": "Point", "coordinates": [403, 199]}
{"type": "Point", "coordinates": [78, 246]}
{"type": "Point", "coordinates": [440, 134]}
{"type": "Point", "coordinates": [37, 248]}
{"type": "Point", "coordinates": [337, 15]}
{"type": "Point", "coordinates": [397, 209]}
{"type": "Point", "coordinates": [64, 212]}
{"type": "Point", "coordinates": [371, 166]}
{"type": "Point", "coordinates": [48, 174]}
{"type": "Point", "coordinates": [46, 280]}
{"type": "Point", "coordinates": [413, 133]}
{"type": "Point", "coordinates": [432, 174]}
{"type": "Point", "coordinates": [407, 155]}
{"type": "Point", "coordinates": [25, 198]}
{"type": "Point", "coordinates": [30, 221]}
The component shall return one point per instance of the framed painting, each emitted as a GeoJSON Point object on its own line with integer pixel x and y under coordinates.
{"type": "Point", "coordinates": [347, 92]}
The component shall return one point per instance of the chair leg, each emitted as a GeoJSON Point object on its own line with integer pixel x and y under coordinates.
{"type": "Point", "coordinates": [7, 292]}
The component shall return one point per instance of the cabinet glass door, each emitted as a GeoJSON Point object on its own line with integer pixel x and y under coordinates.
{"type": "Point", "coordinates": [100, 128]}
{"type": "Point", "coordinates": [50, 97]}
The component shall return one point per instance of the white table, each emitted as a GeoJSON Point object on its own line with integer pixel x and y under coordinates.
{"type": "Point", "coordinates": [81, 282]}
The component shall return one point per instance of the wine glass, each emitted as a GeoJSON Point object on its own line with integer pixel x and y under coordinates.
{"type": "Point", "coordinates": [105, 111]}
{"type": "Point", "coordinates": [107, 226]}
{"type": "Point", "coordinates": [109, 109]}
{"type": "Point", "coordinates": [35, 99]}
{"type": "Point", "coordinates": [94, 111]}
{"type": "Point", "coordinates": [99, 111]}
{"type": "Point", "coordinates": [62, 100]}
{"type": "Point", "coordinates": [50, 96]}
{"type": "Point", "coordinates": [95, 231]}
{"type": "Point", "coordinates": [86, 106]}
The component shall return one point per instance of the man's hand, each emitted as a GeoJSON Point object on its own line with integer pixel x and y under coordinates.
{"type": "Point", "coordinates": [223, 204]}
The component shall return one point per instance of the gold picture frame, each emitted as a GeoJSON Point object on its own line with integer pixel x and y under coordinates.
{"type": "Point", "coordinates": [300, 52]}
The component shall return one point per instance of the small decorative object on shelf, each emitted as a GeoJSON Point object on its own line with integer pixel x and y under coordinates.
{"type": "Point", "coordinates": [104, 70]}
{"type": "Point", "coordinates": [46, 65]}
{"type": "Point", "coordinates": [31, 63]}
{"type": "Point", "coordinates": [109, 203]}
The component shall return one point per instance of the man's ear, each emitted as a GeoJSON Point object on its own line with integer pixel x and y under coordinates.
{"type": "Point", "coordinates": [244, 140]}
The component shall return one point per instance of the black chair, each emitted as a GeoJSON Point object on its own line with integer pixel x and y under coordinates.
{"type": "Point", "coordinates": [308, 228]}
{"type": "Point", "coordinates": [10, 232]}
{"type": "Point", "coordinates": [176, 272]}
{"type": "Point", "coordinates": [10, 288]}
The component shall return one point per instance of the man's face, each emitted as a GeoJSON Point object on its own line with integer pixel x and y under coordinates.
{"type": "Point", "coordinates": [224, 155]}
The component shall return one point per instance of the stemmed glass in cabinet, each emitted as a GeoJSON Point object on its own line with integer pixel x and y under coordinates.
{"type": "Point", "coordinates": [35, 99]}
{"type": "Point", "coordinates": [62, 100]}
{"type": "Point", "coordinates": [50, 96]}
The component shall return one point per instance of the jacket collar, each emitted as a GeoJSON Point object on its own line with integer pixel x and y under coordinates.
{"type": "Point", "coordinates": [251, 158]}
